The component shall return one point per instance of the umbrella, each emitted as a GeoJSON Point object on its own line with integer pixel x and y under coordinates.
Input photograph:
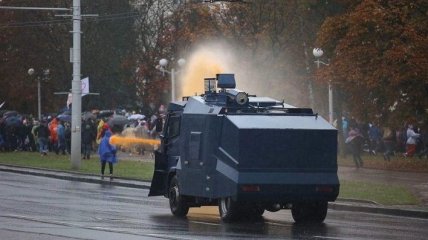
{"type": "Point", "coordinates": [64, 117]}
{"type": "Point", "coordinates": [13, 121]}
{"type": "Point", "coordinates": [117, 123]}
{"type": "Point", "coordinates": [118, 120]}
{"type": "Point", "coordinates": [136, 117]}
{"type": "Point", "coordinates": [105, 113]}
{"type": "Point", "coordinates": [10, 113]}
{"type": "Point", "coordinates": [88, 115]}
{"type": "Point", "coordinates": [66, 112]}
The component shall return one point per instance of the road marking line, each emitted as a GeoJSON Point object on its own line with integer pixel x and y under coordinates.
{"type": "Point", "coordinates": [206, 223]}
{"type": "Point", "coordinates": [167, 236]}
{"type": "Point", "coordinates": [336, 238]}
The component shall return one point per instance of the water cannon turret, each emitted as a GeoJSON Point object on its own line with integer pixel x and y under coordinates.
{"type": "Point", "coordinates": [227, 95]}
{"type": "Point", "coordinates": [236, 96]}
{"type": "Point", "coordinates": [210, 85]}
{"type": "Point", "coordinates": [226, 80]}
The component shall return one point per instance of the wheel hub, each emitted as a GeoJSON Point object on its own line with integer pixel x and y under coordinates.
{"type": "Point", "coordinates": [225, 204]}
{"type": "Point", "coordinates": [174, 194]}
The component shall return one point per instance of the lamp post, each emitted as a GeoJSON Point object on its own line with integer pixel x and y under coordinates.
{"type": "Point", "coordinates": [318, 52]}
{"type": "Point", "coordinates": [44, 76]}
{"type": "Point", "coordinates": [162, 64]}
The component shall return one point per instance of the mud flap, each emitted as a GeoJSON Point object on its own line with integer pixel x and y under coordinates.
{"type": "Point", "coordinates": [158, 186]}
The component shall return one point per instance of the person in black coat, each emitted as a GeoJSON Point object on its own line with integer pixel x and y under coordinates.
{"type": "Point", "coordinates": [43, 133]}
{"type": "Point", "coordinates": [87, 138]}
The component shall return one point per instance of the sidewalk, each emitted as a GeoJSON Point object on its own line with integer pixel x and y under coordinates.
{"type": "Point", "coordinates": [340, 204]}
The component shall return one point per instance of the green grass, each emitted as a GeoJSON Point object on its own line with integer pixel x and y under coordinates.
{"type": "Point", "coordinates": [124, 168]}
{"type": "Point", "coordinates": [143, 170]}
{"type": "Point", "coordinates": [380, 193]}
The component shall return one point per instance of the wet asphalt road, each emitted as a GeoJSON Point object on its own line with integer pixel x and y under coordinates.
{"type": "Point", "coordinates": [34, 207]}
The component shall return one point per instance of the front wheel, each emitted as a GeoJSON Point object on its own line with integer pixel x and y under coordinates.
{"type": "Point", "coordinates": [309, 212]}
{"type": "Point", "coordinates": [177, 203]}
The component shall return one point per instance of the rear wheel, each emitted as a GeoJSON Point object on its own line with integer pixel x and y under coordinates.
{"type": "Point", "coordinates": [257, 211]}
{"type": "Point", "coordinates": [309, 212]}
{"type": "Point", "coordinates": [229, 209]}
{"type": "Point", "coordinates": [177, 202]}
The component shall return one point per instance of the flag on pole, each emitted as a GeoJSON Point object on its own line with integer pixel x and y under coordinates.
{"type": "Point", "coordinates": [85, 86]}
{"type": "Point", "coordinates": [85, 90]}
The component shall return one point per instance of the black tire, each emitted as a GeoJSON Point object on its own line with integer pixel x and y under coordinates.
{"type": "Point", "coordinates": [177, 203]}
{"type": "Point", "coordinates": [309, 212]}
{"type": "Point", "coordinates": [251, 211]}
{"type": "Point", "coordinates": [229, 209]}
{"type": "Point", "coordinates": [257, 211]}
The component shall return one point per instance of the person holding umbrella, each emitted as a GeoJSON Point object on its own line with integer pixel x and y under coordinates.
{"type": "Point", "coordinates": [107, 153]}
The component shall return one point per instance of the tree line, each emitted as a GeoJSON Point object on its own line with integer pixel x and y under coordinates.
{"type": "Point", "coordinates": [376, 51]}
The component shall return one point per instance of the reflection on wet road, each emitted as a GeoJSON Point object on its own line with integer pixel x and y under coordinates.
{"type": "Point", "coordinates": [43, 208]}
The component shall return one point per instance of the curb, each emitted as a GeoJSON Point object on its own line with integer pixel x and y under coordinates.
{"type": "Point", "coordinates": [378, 210]}
{"type": "Point", "coordinates": [75, 176]}
{"type": "Point", "coordinates": [352, 205]}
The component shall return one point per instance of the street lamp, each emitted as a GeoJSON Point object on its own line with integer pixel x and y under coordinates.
{"type": "Point", "coordinates": [318, 52]}
{"type": "Point", "coordinates": [162, 64]}
{"type": "Point", "coordinates": [44, 76]}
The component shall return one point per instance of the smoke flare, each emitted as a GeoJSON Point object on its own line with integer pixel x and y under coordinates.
{"type": "Point", "coordinates": [118, 140]}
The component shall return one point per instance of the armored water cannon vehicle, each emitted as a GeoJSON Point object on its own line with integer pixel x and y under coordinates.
{"type": "Point", "coordinates": [246, 154]}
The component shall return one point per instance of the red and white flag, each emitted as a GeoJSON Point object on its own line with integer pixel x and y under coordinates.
{"type": "Point", "coordinates": [85, 90]}
{"type": "Point", "coordinates": [85, 86]}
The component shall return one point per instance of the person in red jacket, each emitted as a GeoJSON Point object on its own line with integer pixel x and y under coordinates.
{"type": "Point", "coordinates": [53, 134]}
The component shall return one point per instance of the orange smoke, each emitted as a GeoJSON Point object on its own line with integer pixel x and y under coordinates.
{"type": "Point", "coordinates": [203, 63]}
{"type": "Point", "coordinates": [117, 140]}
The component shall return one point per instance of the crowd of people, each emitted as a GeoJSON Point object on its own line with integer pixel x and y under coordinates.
{"type": "Point", "coordinates": [53, 135]}
{"type": "Point", "coordinates": [27, 134]}
{"type": "Point", "coordinates": [407, 141]}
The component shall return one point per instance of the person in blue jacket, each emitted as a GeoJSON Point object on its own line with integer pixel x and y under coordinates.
{"type": "Point", "coordinates": [61, 137]}
{"type": "Point", "coordinates": [107, 154]}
